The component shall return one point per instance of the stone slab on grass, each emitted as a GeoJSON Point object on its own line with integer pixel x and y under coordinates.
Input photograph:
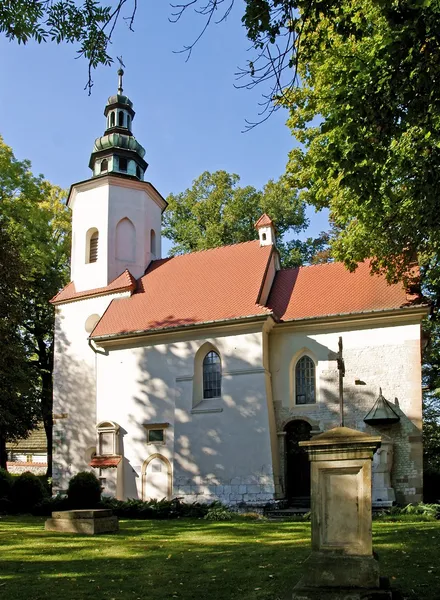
{"type": "Point", "coordinates": [90, 522]}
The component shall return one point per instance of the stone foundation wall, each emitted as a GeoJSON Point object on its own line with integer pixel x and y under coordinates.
{"type": "Point", "coordinates": [238, 490]}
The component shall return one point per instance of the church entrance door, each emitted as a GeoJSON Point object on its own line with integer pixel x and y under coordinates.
{"type": "Point", "coordinates": [297, 462]}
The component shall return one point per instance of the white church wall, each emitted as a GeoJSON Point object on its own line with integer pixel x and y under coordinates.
{"type": "Point", "coordinates": [74, 396]}
{"type": "Point", "coordinates": [145, 215]}
{"type": "Point", "coordinates": [382, 356]}
{"type": "Point", "coordinates": [219, 449]}
{"type": "Point", "coordinates": [102, 204]}
{"type": "Point", "coordinates": [90, 211]}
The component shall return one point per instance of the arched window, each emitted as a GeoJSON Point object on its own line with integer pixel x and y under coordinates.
{"type": "Point", "coordinates": [138, 172]}
{"type": "Point", "coordinates": [212, 375]}
{"type": "Point", "coordinates": [112, 119]}
{"type": "Point", "coordinates": [104, 165]}
{"type": "Point", "coordinates": [305, 385]}
{"type": "Point", "coordinates": [121, 119]}
{"type": "Point", "coordinates": [153, 242]}
{"type": "Point", "coordinates": [93, 247]}
{"type": "Point", "coordinates": [123, 164]}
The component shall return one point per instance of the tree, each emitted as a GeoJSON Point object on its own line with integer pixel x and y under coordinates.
{"type": "Point", "coordinates": [215, 211]}
{"type": "Point", "coordinates": [18, 400]}
{"type": "Point", "coordinates": [36, 218]}
{"type": "Point", "coordinates": [90, 25]}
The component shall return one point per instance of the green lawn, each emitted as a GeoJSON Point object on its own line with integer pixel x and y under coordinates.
{"type": "Point", "coordinates": [193, 559]}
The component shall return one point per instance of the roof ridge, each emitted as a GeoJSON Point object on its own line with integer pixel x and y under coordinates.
{"type": "Point", "coordinates": [204, 250]}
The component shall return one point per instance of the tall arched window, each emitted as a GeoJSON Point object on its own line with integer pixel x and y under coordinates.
{"type": "Point", "coordinates": [305, 385]}
{"type": "Point", "coordinates": [212, 376]}
{"type": "Point", "coordinates": [121, 119]}
{"type": "Point", "coordinates": [93, 247]}
{"type": "Point", "coordinates": [112, 119]}
{"type": "Point", "coordinates": [104, 165]}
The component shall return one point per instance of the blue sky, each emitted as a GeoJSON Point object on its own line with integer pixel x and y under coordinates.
{"type": "Point", "coordinates": [189, 116]}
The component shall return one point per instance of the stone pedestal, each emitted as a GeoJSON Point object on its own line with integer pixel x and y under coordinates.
{"type": "Point", "coordinates": [341, 565]}
{"type": "Point", "coordinates": [90, 522]}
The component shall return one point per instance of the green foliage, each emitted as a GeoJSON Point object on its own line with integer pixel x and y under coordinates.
{"type": "Point", "coordinates": [34, 251]}
{"type": "Point", "coordinates": [156, 509]}
{"type": "Point", "coordinates": [89, 25]}
{"type": "Point", "coordinates": [215, 211]}
{"type": "Point", "coordinates": [5, 484]}
{"type": "Point", "coordinates": [84, 490]}
{"type": "Point", "coordinates": [410, 513]}
{"type": "Point", "coordinates": [367, 114]}
{"type": "Point", "coordinates": [50, 504]}
{"type": "Point", "coordinates": [218, 513]}
{"type": "Point", "coordinates": [27, 491]}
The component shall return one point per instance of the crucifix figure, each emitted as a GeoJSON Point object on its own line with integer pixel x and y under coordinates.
{"type": "Point", "coordinates": [341, 369]}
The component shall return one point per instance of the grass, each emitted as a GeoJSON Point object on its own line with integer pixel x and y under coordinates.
{"type": "Point", "coordinates": [192, 559]}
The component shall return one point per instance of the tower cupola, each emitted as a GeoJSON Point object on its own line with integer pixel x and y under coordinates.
{"type": "Point", "coordinates": [117, 151]}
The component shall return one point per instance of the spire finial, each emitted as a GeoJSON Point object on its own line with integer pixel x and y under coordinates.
{"type": "Point", "coordinates": [120, 74]}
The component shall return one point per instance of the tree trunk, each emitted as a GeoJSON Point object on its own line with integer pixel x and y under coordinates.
{"type": "Point", "coordinates": [46, 409]}
{"type": "Point", "coordinates": [3, 453]}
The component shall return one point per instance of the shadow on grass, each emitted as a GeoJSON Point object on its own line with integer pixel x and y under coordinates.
{"type": "Point", "coordinates": [192, 559]}
{"type": "Point", "coordinates": [173, 559]}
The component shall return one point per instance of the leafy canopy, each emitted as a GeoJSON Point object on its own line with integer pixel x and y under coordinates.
{"type": "Point", "coordinates": [216, 211]}
{"type": "Point", "coordinates": [34, 250]}
{"type": "Point", "coordinates": [367, 114]}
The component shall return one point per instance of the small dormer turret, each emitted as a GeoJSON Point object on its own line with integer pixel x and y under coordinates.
{"type": "Point", "coordinates": [266, 230]}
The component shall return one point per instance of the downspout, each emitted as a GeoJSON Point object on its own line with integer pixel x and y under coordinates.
{"type": "Point", "coordinates": [268, 325]}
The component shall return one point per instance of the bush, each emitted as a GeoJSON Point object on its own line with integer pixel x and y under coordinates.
{"type": "Point", "coordinates": [5, 484]}
{"type": "Point", "coordinates": [27, 491]}
{"type": "Point", "coordinates": [156, 509]}
{"type": "Point", "coordinates": [411, 513]}
{"type": "Point", "coordinates": [48, 505]}
{"type": "Point", "coordinates": [84, 490]}
{"type": "Point", "coordinates": [6, 507]}
{"type": "Point", "coordinates": [218, 513]}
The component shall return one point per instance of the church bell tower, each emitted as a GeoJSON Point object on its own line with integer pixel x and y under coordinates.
{"type": "Point", "coordinates": [116, 215]}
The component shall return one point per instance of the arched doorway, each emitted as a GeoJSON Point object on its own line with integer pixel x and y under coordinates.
{"type": "Point", "coordinates": [156, 478]}
{"type": "Point", "coordinates": [297, 460]}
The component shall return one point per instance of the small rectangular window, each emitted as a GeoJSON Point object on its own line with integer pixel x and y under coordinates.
{"type": "Point", "coordinates": [122, 164]}
{"type": "Point", "coordinates": [155, 436]}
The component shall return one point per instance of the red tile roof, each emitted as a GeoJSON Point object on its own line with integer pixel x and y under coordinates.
{"type": "Point", "coordinates": [125, 282]}
{"type": "Point", "coordinates": [330, 289]}
{"type": "Point", "coordinates": [105, 461]}
{"type": "Point", "coordinates": [263, 221]}
{"type": "Point", "coordinates": [210, 285]}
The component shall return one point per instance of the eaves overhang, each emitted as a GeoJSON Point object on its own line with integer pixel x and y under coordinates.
{"type": "Point", "coordinates": [123, 336]}
{"type": "Point", "coordinates": [420, 310]}
{"type": "Point", "coordinates": [116, 179]}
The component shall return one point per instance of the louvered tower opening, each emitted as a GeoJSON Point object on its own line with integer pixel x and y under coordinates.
{"type": "Point", "coordinates": [93, 253]}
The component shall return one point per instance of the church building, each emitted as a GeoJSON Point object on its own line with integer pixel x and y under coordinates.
{"type": "Point", "coordinates": [196, 376]}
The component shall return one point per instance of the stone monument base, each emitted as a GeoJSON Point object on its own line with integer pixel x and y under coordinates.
{"type": "Point", "coordinates": [90, 522]}
{"type": "Point", "coordinates": [332, 569]}
{"type": "Point", "coordinates": [340, 594]}
{"type": "Point", "coordinates": [335, 576]}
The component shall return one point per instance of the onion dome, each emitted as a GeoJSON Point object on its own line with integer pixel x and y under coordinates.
{"type": "Point", "coordinates": [118, 151]}
{"type": "Point", "coordinates": [382, 413]}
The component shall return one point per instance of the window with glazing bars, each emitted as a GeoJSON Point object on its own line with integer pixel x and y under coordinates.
{"type": "Point", "coordinates": [93, 251]}
{"type": "Point", "coordinates": [305, 381]}
{"type": "Point", "coordinates": [212, 375]}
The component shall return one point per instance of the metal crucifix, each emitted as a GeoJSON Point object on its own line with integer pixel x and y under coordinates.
{"type": "Point", "coordinates": [341, 369]}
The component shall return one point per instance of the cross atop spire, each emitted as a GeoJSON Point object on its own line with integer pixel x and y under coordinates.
{"type": "Point", "coordinates": [120, 74]}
